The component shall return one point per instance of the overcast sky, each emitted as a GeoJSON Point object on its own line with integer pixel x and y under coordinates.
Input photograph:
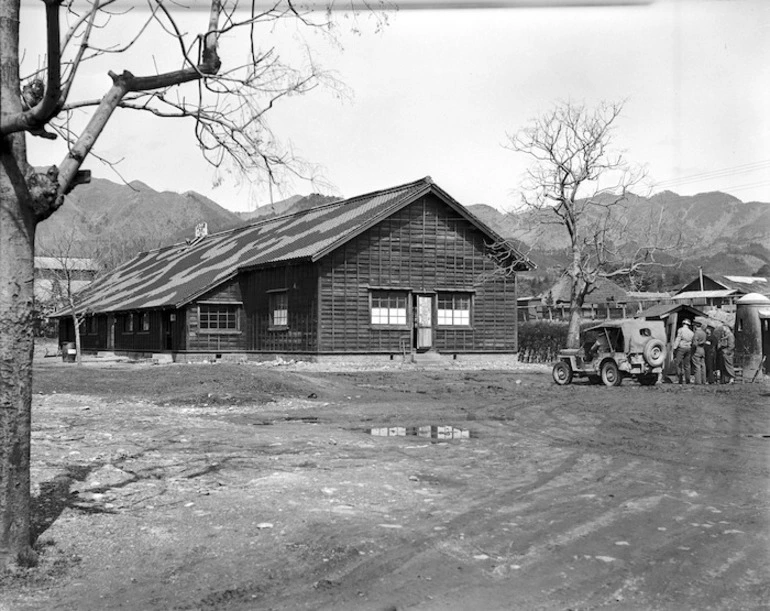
{"type": "Point", "coordinates": [436, 92]}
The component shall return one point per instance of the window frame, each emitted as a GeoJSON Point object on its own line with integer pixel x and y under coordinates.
{"type": "Point", "coordinates": [216, 314]}
{"type": "Point", "coordinates": [278, 301]}
{"type": "Point", "coordinates": [388, 303]}
{"type": "Point", "coordinates": [457, 321]}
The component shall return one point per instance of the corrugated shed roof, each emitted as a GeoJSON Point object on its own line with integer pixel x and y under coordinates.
{"type": "Point", "coordinates": [175, 275]}
{"type": "Point", "coordinates": [738, 284]}
{"type": "Point", "coordinates": [662, 310]}
{"type": "Point", "coordinates": [647, 295]}
{"type": "Point", "coordinates": [705, 294]}
{"type": "Point", "coordinates": [748, 280]}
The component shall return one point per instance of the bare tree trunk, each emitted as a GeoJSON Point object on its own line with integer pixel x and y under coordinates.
{"type": "Point", "coordinates": [76, 323]}
{"type": "Point", "coordinates": [577, 297]}
{"type": "Point", "coordinates": [573, 331]}
{"type": "Point", "coordinates": [17, 239]}
{"type": "Point", "coordinates": [17, 229]}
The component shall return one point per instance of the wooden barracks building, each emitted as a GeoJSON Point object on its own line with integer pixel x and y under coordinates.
{"type": "Point", "coordinates": [402, 270]}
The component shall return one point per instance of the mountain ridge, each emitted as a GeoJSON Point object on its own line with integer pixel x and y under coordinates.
{"type": "Point", "coordinates": [730, 236]}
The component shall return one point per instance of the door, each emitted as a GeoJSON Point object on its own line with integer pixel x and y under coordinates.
{"type": "Point", "coordinates": [169, 330]}
{"type": "Point", "coordinates": [423, 320]}
{"type": "Point", "coordinates": [110, 332]}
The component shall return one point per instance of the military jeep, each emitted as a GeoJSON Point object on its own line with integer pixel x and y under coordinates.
{"type": "Point", "coordinates": [615, 350]}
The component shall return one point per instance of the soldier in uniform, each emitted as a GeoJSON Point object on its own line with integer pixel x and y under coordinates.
{"type": "Point", "coordinates": [725, 351]}
{"type": "Point", "coordinates": [710, 350]}
{"type": "Point", "coordinates": [698, 353]}
{"type": "Point", "coordinates": [682, 345]}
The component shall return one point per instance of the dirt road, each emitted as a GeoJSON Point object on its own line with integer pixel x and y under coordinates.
{"type": "Point", "coordinates": [247, 487]}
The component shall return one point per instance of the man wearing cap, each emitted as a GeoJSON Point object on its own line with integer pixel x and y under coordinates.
{"type": "Point", "coordinates": [682, 345]}
{"type": "Point", "coordinates": [698, 356]}
{"type": "Point", "coordinates": [710, 350]}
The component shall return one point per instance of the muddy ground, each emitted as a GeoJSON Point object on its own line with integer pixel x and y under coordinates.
{"type": "Point", "coordinates": [227, 486]}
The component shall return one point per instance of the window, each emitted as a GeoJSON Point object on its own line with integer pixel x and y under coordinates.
{"type": "Point", "coordinates": [389, 308]}
{"type": "Point", "coordinates": [91, 325]}
{"type": "Point", "coordinates": [218, 317]}
{"type": "Point", "coordinates": [145, 321]}
{"type": "Point", "coordinates": [454, 310]}
{"type": "Point", "coordinates": [279, 309]}
{"type": "Point", "coordinates": [128, 323]}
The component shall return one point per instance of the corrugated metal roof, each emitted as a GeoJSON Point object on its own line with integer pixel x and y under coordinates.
{"type": "Point", "coordinates": [647, 296]}
{"type": "Point", "coordinates": [175, 275]}
{"type": "Point", "coordinates": [662, 310]}
{"type": "Point", "coordinates": [749, 280]}
{"type": "Point", "coordinates": [705, 294]}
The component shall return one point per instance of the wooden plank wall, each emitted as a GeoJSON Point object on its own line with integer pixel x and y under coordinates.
{"type": "Point", "coordinates": [300, 334]}
{"type": "Point", "coordinates": [216, 341]}
{"type": "Point", "coordinates": [138, 340]}
{"type": "Point", "coordinates": [423, 248]}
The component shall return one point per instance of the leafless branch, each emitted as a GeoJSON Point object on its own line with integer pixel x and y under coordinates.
{"type": "Point", "coordinates": [580, 182]}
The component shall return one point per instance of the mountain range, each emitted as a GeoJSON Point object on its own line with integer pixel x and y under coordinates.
{"type": "Point", "coordinates": [726, 235]}
{"type": "Point", "coordinates": [720, 233]}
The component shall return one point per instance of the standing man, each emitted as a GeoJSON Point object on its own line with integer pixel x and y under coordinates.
{"type": "Point", "coordinates": [716, 336]}
{"type": "Point", "coordinates": [698, 356]}
{"type": "Point", "coordinates": [726, 350]}
{"type": "Point", "coordinates": [710, 350]}
{"type": "Point", "coordinates": [682, 345]}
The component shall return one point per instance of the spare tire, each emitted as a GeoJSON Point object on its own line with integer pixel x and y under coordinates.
{"type": "Point", "coordinates": [655, 353]}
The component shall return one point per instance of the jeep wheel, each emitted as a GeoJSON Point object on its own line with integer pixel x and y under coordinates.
{"type": "Point", "coordinates": [562, 373]}
{"type": "Point", "coordinates": [655, 352]}
{"type": "Point", "coordinates": [610, 374]}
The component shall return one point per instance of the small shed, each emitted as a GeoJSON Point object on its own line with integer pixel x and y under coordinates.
{"type": "Point", "coordinates": [672, 316]}
{"type": "Point", "coordinates": [720, 291]}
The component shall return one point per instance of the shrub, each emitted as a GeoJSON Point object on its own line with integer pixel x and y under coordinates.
{"type": "Point", "coordinates": [541, 340]}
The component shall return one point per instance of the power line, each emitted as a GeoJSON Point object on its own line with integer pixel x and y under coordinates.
{"type": "Point", "coordinates": [714, 174]}
{"type": "Point", "coordinates": [750, 185]}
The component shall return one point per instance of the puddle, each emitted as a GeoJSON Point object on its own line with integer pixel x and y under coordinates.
{"type": "Point", "coordinates": [428, 432]}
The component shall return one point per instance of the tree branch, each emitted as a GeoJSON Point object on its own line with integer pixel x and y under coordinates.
{"type": "Point", "coordinates": [41, 109]}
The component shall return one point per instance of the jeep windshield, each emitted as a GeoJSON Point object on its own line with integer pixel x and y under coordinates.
{"type": "Point", "coordinates": [603, 339]}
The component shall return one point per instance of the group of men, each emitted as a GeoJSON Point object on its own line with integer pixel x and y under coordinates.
{"type": "Point", "coordinates": [704, 351]}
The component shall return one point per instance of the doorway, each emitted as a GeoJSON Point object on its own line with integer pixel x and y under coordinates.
{"type": "Point", "coordinates": [169, 328]}
{"type": "Point", "coordinates": [110, 332]}
{"type": "Point", "coordinates": [423, 321]}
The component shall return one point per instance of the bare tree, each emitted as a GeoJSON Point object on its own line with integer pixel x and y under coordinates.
{"type": "Point", "coordinates": [228, 105]}
{"type": "Point", "coordinates": [67, 276]}
{"type": "Point", "coordinates": [580, 184]}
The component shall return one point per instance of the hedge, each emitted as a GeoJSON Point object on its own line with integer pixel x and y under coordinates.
{"type": "Point", "coordinates": [541, 340]}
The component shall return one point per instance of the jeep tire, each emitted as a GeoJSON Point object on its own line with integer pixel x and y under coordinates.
{"type": "Point", "coordinates": [611, 374]}
{"type": "Point", "coordinates": [562, 373]}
